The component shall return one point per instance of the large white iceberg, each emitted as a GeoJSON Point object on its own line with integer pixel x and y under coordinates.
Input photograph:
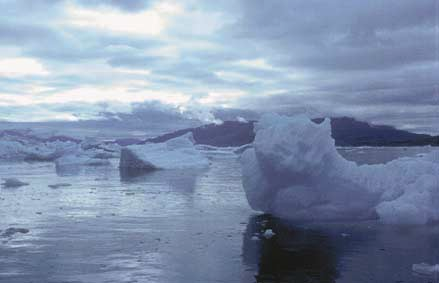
{"type": "Point", "coordinates": [177, 153]}
{"type": "Point", "coordinates": [295, 171]}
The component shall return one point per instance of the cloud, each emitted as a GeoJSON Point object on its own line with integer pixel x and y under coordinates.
{"type": "Point", "coordinates": [21, 66]}
{"type": "Point", "coordinates": [374, 60]}
{"type": "Point", "coordinates": [128, 6]}
{"type": "Point", "coordinates": [150, 22]}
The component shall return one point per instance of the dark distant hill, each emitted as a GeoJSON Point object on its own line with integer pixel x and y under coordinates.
{"type": "Point", "coordinates": [229, 133]}
{"type": "Point", "coordinates": [346, 132]}
{"type": "Point", "coordinates": [350, 132]}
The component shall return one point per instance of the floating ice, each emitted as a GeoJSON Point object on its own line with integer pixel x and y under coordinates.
{"type": "Point", "coordinates": [425, 269]}
{"type": "Point", "coordinates": [255, 238]}
{"type": "Point", "coordinates": [59, 185]}
{"type": "Point", "coordinates": [295, 171]}
{"type": "Point", "coordinates": [17, 146]}
{"type": "Point", "coordinates": [13, 183]}
{"type": "Point", "coordinates": [31, 150]}
{"type": "Point", "coordinates": [11, 231]}
{"type": "Point", "coordinates": [177, 153]}
{"type": "Point", "coordinates": [268, 234]}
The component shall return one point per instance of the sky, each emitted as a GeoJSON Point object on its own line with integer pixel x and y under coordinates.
{"type": "Point", "coordinates": [74, 60]}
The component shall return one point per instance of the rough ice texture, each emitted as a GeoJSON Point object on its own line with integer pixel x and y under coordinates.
{"type": "Point", "coordinates": [177, 153]}
{"type": "Point", "coordinates": [20, 150]}
{"type": "Point", "coordinates": [63, 151]}
{"type": "Point", "coordinates": [295, 171]}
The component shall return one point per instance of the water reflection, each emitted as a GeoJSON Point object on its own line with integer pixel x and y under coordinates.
{"type": "Point", "coordinates": [68, 170]}
{"type": "Point", "coordinates": [292, 255]}
{"type": "Point", "coordinates": [178, 180]}
{"type": "Point", "coordinates": [337, 252]}
{"type": "Point", "coordinates": [185, 226]}
{"type": "Point", "coordinates": [131, 174]}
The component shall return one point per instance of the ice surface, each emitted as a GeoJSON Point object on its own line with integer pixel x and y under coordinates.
{"type": "Point", "coordinates": [64, 151]}
{"type": "Point", "coordinates": [295, 171]}
{"type": "Point", "coordinates": [177, 153]}
{"type": "Point", "coordinates": [13, 150]}
{"type": "Point", "coordinates": [18, 147]}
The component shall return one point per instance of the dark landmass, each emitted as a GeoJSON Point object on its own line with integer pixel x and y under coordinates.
{"type": "Point", "coordinates": [229, 133]}
{"type": "Point", "coordinates": [346, 132]}
{"type": "Point", "coordinates": [350, 132]}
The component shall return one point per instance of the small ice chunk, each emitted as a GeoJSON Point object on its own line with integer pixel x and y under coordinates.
{"type": "Point", "coordinates": [268, 234]}
{"type": "Point", "coordinates": [255, 238]}
{"type": "Point", "coordinates": [11, 231]}
{"type": "Point", "coordinates": [344, 235]}
{"type": "Point", "coordinates": [13, 183]}
{"type": "Point", "coordinates": [425, 269]}
{"type": "Point", "coordinates": [59, 185]}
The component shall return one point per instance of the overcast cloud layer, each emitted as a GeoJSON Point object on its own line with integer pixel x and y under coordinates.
{"type": "Point", "coordinates": [374, 60]}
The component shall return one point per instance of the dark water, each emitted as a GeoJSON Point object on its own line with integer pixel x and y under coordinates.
{"type": "Point", "coordinates": [184, 226]}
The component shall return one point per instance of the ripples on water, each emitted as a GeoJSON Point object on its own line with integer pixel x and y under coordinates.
{"type": "Point", "coordinates": [186, 226]}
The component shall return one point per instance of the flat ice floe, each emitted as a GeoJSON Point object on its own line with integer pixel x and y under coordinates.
{"type": "Point", "coordinates": [295, 171]}
{"type": "Point", "coordinates": [177, 153]}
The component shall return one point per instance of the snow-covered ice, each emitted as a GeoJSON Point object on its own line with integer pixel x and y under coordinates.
{"type": "Point", "coordinates": [295, 171]}
{"type": "Point", "coordinates": [177, 153]}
